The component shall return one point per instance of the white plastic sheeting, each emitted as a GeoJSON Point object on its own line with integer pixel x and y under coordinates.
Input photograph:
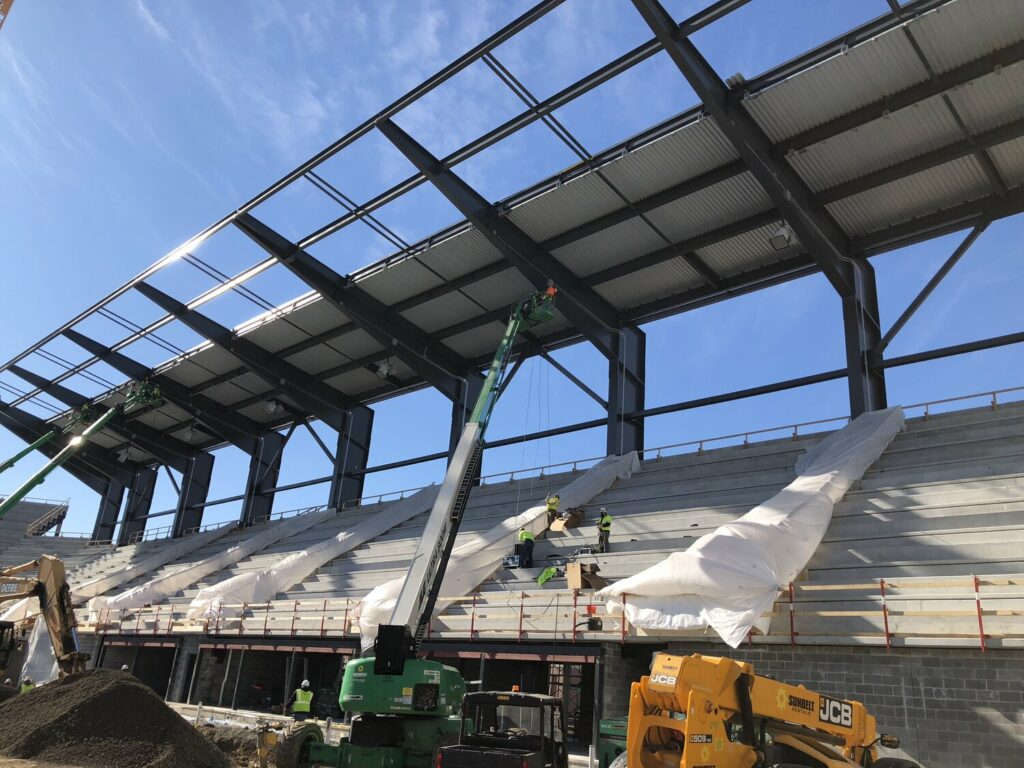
{"type": "Point", "coordinates": [730, 577]}
{"type": "Point", "coordinates": [155, 590]}
{"type": "Point", "coordinates": [153, 559]}
{"type": "Point", "coordinates": [476, 556]}
{"type": "Point", "coordinates": [261, 586]}
{"type": "Point", "coordinates": [40, 662]}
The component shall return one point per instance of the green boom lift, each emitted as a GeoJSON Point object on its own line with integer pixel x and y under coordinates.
{"type": "Point", "coordinates": [141, 394]}
{"type": "Point", "coordinates": [406, 707]}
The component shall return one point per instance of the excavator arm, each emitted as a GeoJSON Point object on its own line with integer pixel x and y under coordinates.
{"type": "Point", "coordinates": [706, 712]}
{"type": "Point", "coordinates": [50, 586]}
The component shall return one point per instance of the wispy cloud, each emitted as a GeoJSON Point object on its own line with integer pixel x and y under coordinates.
{"type": "Point", "coordinates": [151, 23]}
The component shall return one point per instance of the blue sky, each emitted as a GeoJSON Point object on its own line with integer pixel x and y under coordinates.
{"type": "Point", "coordinates": [129, 128]}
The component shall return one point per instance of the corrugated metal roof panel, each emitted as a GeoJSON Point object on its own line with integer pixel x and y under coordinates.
{"type": "Point", "coordinates": [569, 205]}
{"type": "Point", "coordinates": [477, 342]}
{"type": "Point", "coordinates": [355, 382]}
{"type": "Point", "coordinates": [614, 245]}
{"type": "Point", "coordinates": [913, 196]}
{"type": "Point", "coordinates": [865, 73]}
{"type": "Point", "coordinates": [905, 133]}
{"type": "Point", "coordinates": [1009, 159]}
{"type": "Point", "coordinates": [743, 252]}
{"type": "Point", "coordinates": [320, 358]}
{"type": "Point", "coordinates": [683, 154]}
{"type": "Point", "coordinates": [460, 254]}
{"type": "Point", "coordinates": [960, 32]}
{"type": "Point", "coordinates": [442, 312]}
{"type": "Point", "coordinates": [652, 283]}
{"type": "Point", "coordinates": [711, 208]}
{"type": "Point", "coordinates": [500, 290]}
{"type": "Point", "coordinates": [993, 100]}
{"type": "Point", "coordinates": [399, 281]}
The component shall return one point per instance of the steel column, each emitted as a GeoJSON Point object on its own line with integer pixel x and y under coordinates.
{"type": "Point", "coordinates": [140, 498]}
{"type": "Point", "coordinates": [353, 454]}
{"type": "Point", "coordinates": [462, 408]}
{"type": "Point", "coordinates": [263, 473]}
{"type": "Point", "coordinates": [863, 334]}
{"type": "Point", "coordinates": [195, 486]}
{"type": "Point", "coordinates": [110, 505]}
{"type": "Point", "coordinates": [626, 372]}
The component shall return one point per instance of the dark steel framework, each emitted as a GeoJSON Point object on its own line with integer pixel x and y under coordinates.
{"type": "Point", "coordinates": [298, 395]}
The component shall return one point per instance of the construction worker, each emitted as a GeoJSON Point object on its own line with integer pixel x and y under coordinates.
{"type": "Point", "coordinates": [553, 502]}
{"type": "Point", "coordinates": [604, 530]}
{"type": "Point", "coordinates": [526, 548]}
{"type": "Point", "coordinates": [124, 667]}
{"type": "Point", "coordinates": [26, 684]}
{"type": "Point", "coordinates": [301, 701]}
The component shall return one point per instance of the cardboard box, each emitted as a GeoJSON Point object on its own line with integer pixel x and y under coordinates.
{"type": "Point", "coordinates": [584, 576]}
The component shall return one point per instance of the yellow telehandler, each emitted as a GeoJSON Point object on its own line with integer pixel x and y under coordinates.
{"type": "Point", "coordinates": [708, 712]}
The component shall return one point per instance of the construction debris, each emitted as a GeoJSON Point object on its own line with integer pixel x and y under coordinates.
{"type": "Point", "coordinates": [99, 718]}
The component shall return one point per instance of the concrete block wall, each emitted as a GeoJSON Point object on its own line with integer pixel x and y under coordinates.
{"type": "Point", "coordinates": [951, 708]}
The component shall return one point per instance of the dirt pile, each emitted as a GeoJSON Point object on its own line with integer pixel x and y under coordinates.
{"type": "Point", "coordinates": [237, 743]}
{"type": "Point", "coordinates": [100, 719]}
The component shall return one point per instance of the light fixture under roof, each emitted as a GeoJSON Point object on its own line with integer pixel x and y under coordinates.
{"type": "Point", "coordinates": [122, 455]}
{"type": "Point", "coordinates": [272, 407]}
{"type": "Point", "coordinates": [385, 368]}
{"type": "Point", "coordinates": [782, 238]}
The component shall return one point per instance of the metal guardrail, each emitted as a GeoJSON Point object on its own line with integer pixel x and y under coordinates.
{"type": "Point", "coordinates": [797, 430]}
{"type": "Point", "coordinates": [988, 612]}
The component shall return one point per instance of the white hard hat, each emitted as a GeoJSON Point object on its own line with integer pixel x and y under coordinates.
{"type": "Point", "coordinates": [603, 510]}
{"type": "Point", "coordinates": [305, 683]}
{"type": "Point", "coordinates": [124, 667]}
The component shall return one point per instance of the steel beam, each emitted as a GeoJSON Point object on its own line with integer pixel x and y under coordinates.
{"type": "Point", "coordinates": [136, 510]}
{"type": "Point", "coordinates": [462, 409]}
{"type": "Point", "coordinates": [90, 458]}
{"type": "Point", "coordinates": [111, 496]}
{"type": "Point", "coordinates": [352, 455]}
{"type": "Point", "coordinates": [258, 501]}
{"type": "Point", "coordinates": [29, 428]}
{"type": "Point", "coordinates": [315, 397]}
{"type": "Point", "coordinates": [433, 362]}
{"type": "Point", "coordinates": [232, 427]}
{"type": "Point", "coordinates": [195, 487]}
{"type": "Point", "coordinates": [819, 233]}
{"type": "Point", "coordinates": [164, 448]}
{"type": "Point", "coordinates": [573, 378]}
{"type": "Point", "coordinates": [925, 292]}
{"type": "Point", "coordinates": [584, 308]}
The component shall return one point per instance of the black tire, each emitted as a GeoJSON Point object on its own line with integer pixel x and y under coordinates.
{"type": "Point", "coordinates": [894, 762]}
{"type": "Point", "coordinates": [293, 748]}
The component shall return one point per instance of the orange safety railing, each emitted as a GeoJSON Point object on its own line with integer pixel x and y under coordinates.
{"type": "Point", "coordinates": [987, 611]}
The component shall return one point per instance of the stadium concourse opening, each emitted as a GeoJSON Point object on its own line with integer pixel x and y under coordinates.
{"type": "Point", "coordinates": [902, 130]}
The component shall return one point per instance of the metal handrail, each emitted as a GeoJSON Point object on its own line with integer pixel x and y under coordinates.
{"type": "Point", "coordinates": [59, 508]}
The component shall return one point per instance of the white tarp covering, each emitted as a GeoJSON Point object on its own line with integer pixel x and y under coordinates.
{"type": "Point", "coordinates": [477, 556]}
{"type": "Point", "coordinates": [155, 590]}
{"type": "Point", "coordinates": [730, 577]}
{"type": "Point", "coordinates": [155, 558]}
{"type": "Point", "coordinates": [261, 586]}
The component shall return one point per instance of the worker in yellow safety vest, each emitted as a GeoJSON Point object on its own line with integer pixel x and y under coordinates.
{"type": "Point", "coordinates": [526, 548]}
{"type": "Point", "coordinates": [301, 701]}
{"type": "Point", "coordinates": [604, 530]}
{"type": "Point", "coordinates": [553, 502]}
{"type": "Point", "coordinates": [26, 684]}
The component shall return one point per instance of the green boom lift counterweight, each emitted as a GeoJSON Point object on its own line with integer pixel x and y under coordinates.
{"type": "Point", "coordinates": [406, 707]}
{"type": "Point", "coordinates": [142, 394]}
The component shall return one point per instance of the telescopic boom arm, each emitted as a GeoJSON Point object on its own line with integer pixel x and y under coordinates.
{"type": "Point", "coordinates": [143, 394]}
{"type": "Point", "coordinates": [419, 593]}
